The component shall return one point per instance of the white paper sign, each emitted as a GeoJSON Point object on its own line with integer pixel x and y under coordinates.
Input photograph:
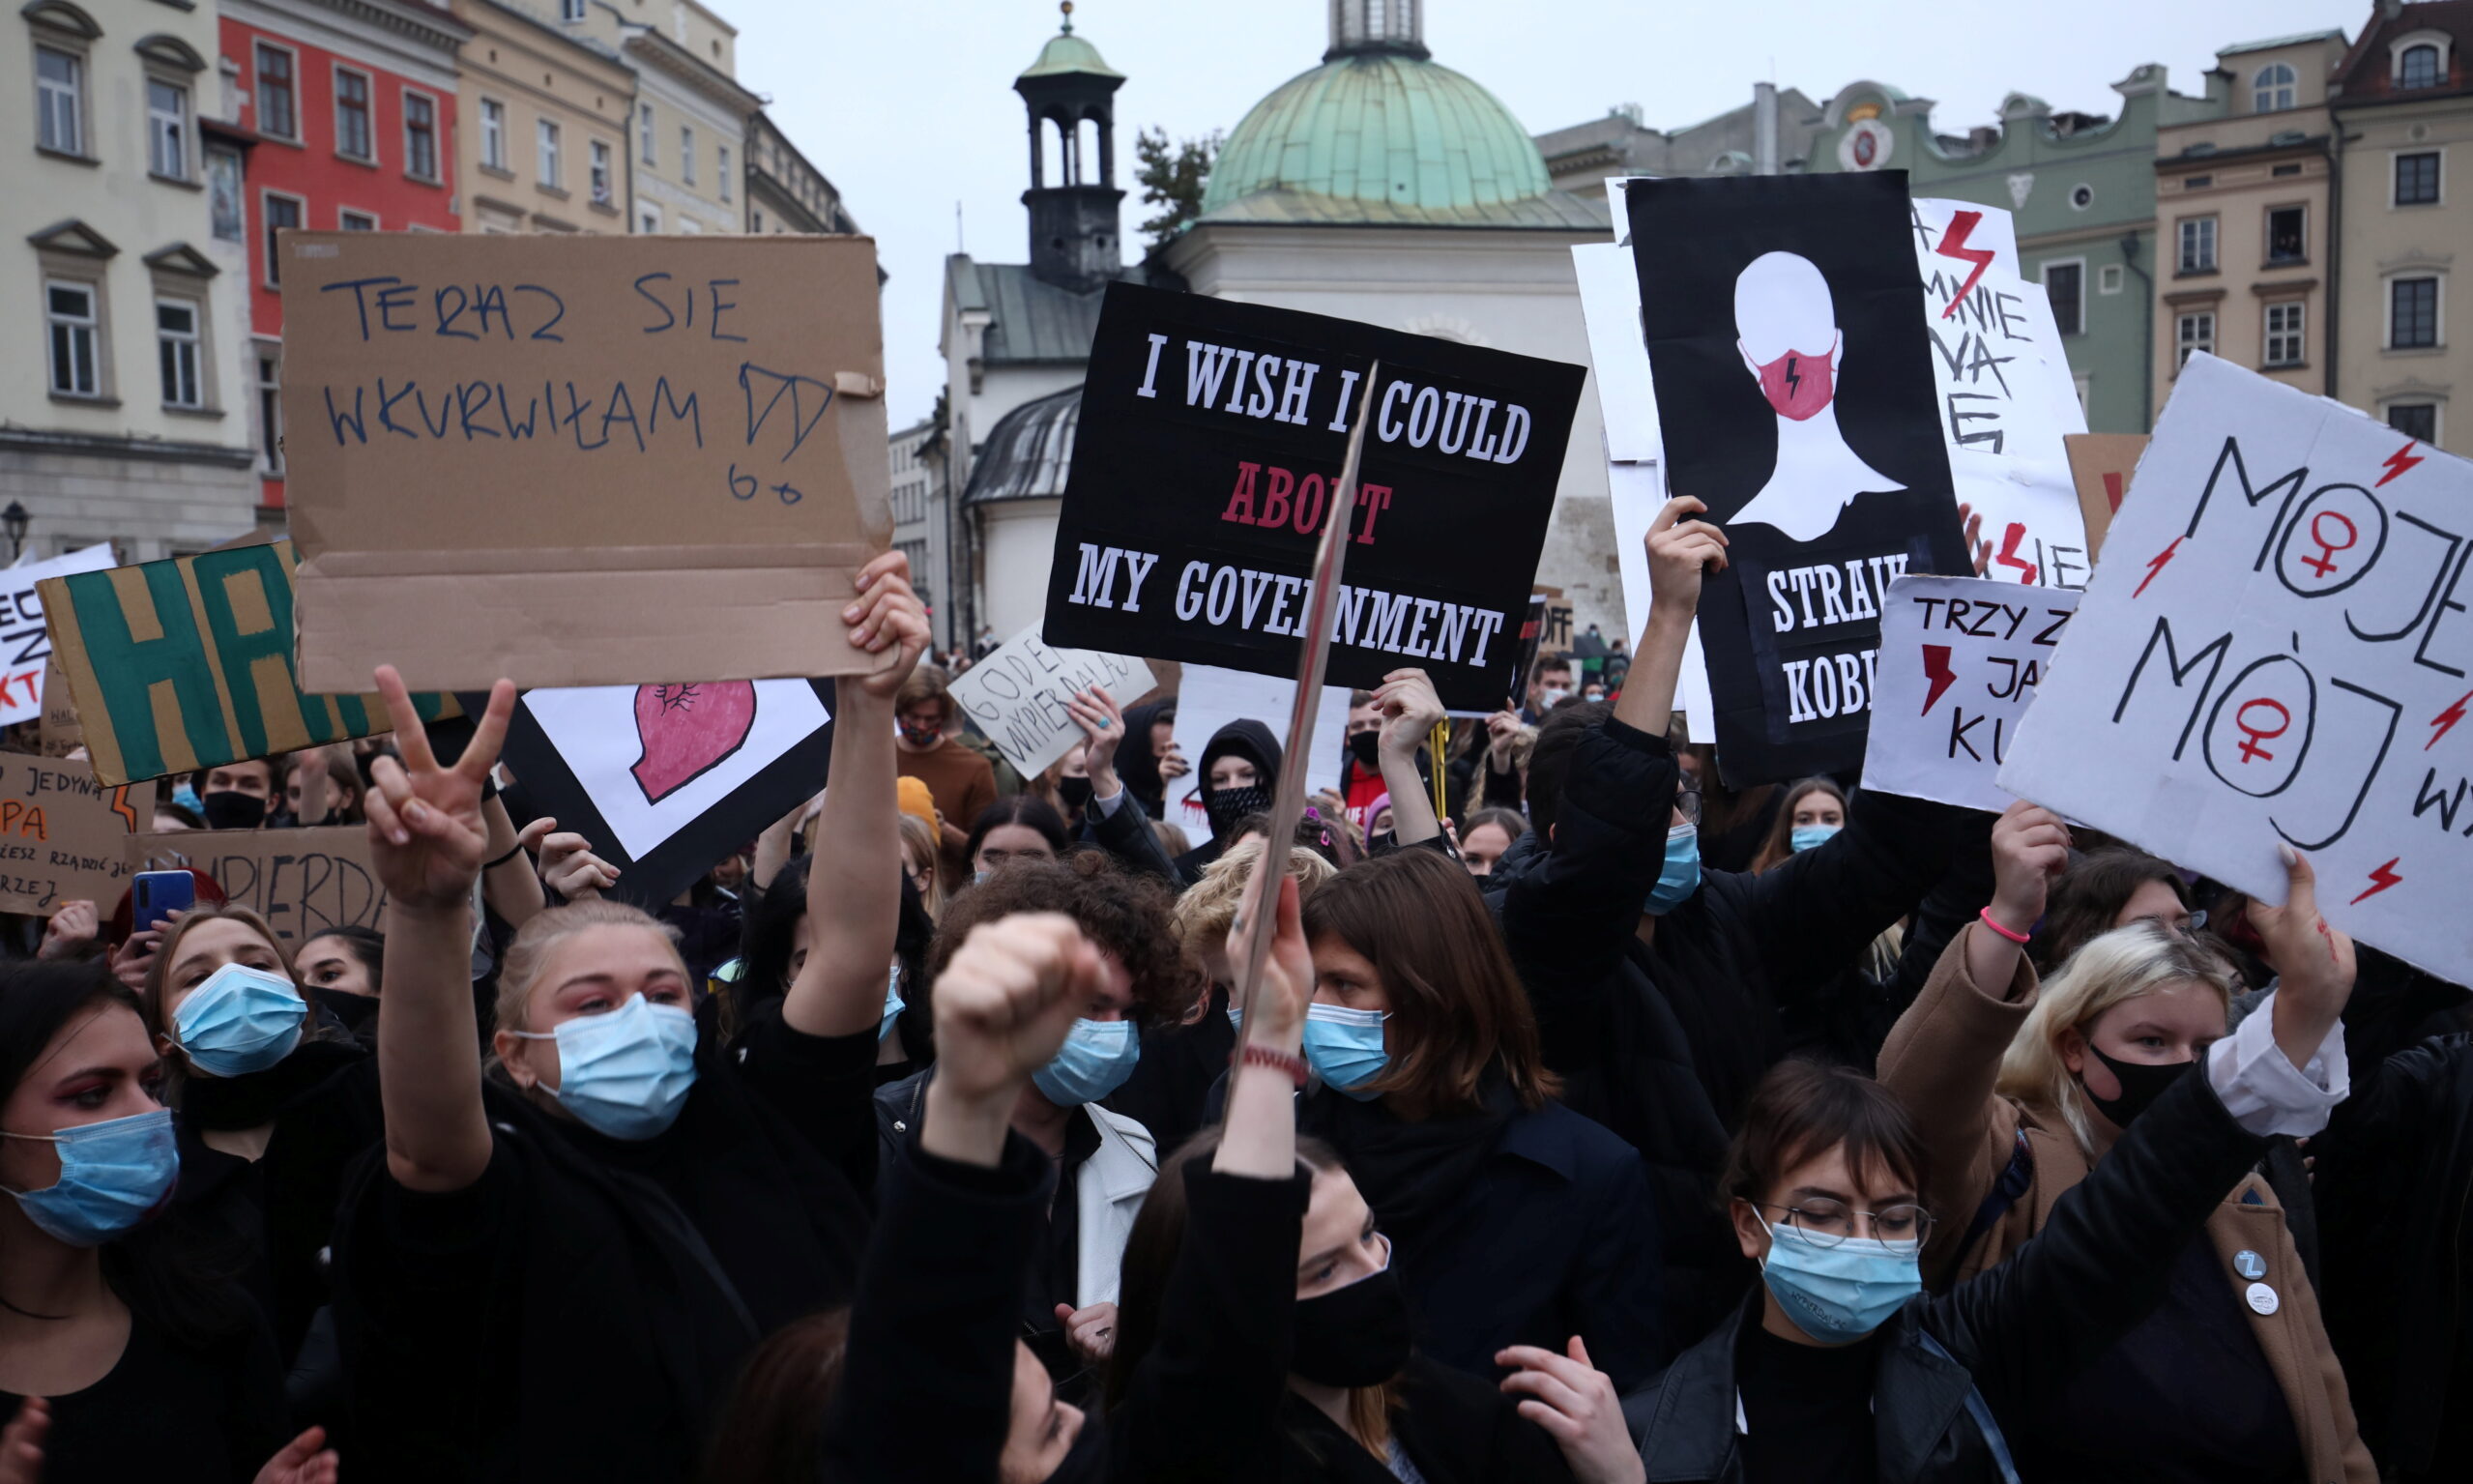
{"type": "Point", "coordinates": [2278, 647]}
{"type": "Point", "coordinates": [1017, 696]}
{"type": "Point", "coordinates": [1208, 698]}
{"type": "Point", "coordinates": [1618, 355]}
{"type": "Point", "coordinates": [25, 643]}
{"type": "Point", "coordinates": [616, 739]}
{"type": "Point", "coordinates": [1960, 658]}
{"type": "Point", "coordinates": [1637, 495]}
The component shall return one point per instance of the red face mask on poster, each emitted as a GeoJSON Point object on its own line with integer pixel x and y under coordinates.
{"type": "Point", "coordinates": [1787, 331]}
{"type": "Point", "coordinates": [1799, 383]}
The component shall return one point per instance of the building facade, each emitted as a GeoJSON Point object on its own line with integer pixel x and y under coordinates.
{"type": "Point", "coordinates": [2081, 190]}
{"type": "Point", "coordinates": [785, 192]}
{"type": "Point", "coordinates": [352, 108]}
{"type": "Point", "coordinates": [543, 135]}
{"type": "Point", "coordinates": [687, 140]}
{"type": "Point", "coordinates": [2403, 106]}
{"type": "Point", "coordinates": [1769, 135]}
{"type": "Point", "coordinates": [122, 417]}
{"type": "Point", "coordinates": [922, 525]}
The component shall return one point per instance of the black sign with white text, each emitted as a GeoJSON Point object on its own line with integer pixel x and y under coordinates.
{"type": "Point", "coordinates": [1205, 461]}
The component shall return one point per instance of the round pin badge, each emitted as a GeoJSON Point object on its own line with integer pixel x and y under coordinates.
{"type": "Point", "coordinates": [2249, 1264]}
{"type": "Point", "coordinates": [2263, 1299]}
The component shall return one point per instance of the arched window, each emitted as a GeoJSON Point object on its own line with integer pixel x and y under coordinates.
{"type": "Point", "coordinates": [2418, 67]}
{"type": "Point", "coordinates": [2273, 89]}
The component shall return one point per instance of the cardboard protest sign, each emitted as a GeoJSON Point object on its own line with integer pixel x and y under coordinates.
{"type": "Point", "coordinates": [63, 835]}
{"type": "Point", "coordinates": [186, 663]}
{"type": "Point", "coordinates": [25, 640]}
{"type": "Point", "coordinates": [1960, 658]}
{"type": "Point", "coordinates": [302, 882]}
{"type": "Point", "coordinates": [1796, 398]}
{"type": "Point", "coordinates": [2100, 465]}
{"type": "Point", "coordinates": [1017, 696]}
{"type": "Point", "coordinates": [1210, 436]}
{"type": "Point", "coordinates": [57, 730]}
{"type": "Point", "coordinates": [581, 460]}
{"type": "Point", "coordinates": [2280, 651]}
{"type": "Point", "coordinates": [666, 779]}
{"type": "Point", "coordinates": [1208, 698]}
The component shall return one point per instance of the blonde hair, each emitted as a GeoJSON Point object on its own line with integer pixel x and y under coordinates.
{"type": "Point", "coordinates": [547, 928]}
{"type": "Point", "coordinates": [920, 845]}
{"type": "Point", "coordinates": [2122, 965]}
{"type": "Point", "coordinates": [1207, 910]}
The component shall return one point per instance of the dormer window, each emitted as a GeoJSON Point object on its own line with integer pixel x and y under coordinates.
{"type": "Point", "coordinates": [2274, 89]}
{"type": "Point", "coordinates": [2420, 66]}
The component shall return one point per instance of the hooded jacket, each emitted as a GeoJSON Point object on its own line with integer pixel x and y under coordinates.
{"type": "Point", "coordinates": [1136, 765]}
{"type": "Point", "coordinates": [1244, 737]}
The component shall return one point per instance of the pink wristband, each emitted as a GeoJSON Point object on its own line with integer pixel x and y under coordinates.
{"type": "Point", "coordinates": [1986, 913]}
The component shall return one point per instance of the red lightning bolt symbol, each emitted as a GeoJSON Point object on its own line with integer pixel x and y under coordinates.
{"type": "Point", "coordinates": [2384, 877]}
{"type": "Point", "coordinates": [2446, 720]}
{"type": "Point", "coordinates": [1936, 669]}
{"type": "Point", "coordinates": [2009, 556]}
{"type": "Point", "coordinates": [1952, 243]}
{"type": "Point", "coordinates": [2397, 463]}
{"type": "Point", "coordinates": [2156, 566]}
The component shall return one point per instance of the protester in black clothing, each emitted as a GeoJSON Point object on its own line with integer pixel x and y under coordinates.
{"type": "Point", "coordinates": [342, 968]}
{"type": "Point", "coordinates": [1239, 772]}
{"type": "Point", "coordinates": [556, 1271]}
{"type": "Point", "coordinates": [778, 937]}
{"type": "Point", "coordinates": [1660, 986]}
{"type": "Point", "coordinates": [274, 1100]}
{"type": "Point", "coordinates": [155, 1366]}
{"type": "Point", "coordinates": [1146, 753]}
{"type": "Point", "coordinates": [1840, 1367]}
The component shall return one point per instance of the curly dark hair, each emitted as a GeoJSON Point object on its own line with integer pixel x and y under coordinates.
{"type": "Point", "coordinates": [1128, 914]}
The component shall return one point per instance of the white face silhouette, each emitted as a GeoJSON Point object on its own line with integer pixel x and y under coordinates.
{"type": "Point", "coordinates": [1782, 303]}
{"type": "Point", "coordinates": [1787, 332]}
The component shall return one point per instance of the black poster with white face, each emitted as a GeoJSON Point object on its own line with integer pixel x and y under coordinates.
{"type": "Point", "coordinates": [1785, 323]}
{"type": "Point", "coordinates": [1205, 464]}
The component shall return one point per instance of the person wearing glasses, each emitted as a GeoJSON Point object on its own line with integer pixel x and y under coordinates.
{"type": "Point", "coordinates": [1664, 988]}
{"type": "Point", "coordinates": [2021, 1093]}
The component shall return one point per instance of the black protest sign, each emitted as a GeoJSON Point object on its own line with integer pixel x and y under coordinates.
{"type": "Point", "coordinates": [1794, 383]}
{"type": "Point", "coordinates": [1209, 446]}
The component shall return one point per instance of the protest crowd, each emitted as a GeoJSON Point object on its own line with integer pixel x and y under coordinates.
{"type": "Point", "coordinates": [1533, 1089]}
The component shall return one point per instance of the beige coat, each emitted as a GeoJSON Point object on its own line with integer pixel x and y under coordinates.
{"type": "Point", "coordinates": [1941, 1061]}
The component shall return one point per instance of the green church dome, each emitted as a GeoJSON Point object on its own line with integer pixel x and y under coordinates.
{"type": "Point", "coordinates": [1382, 134]}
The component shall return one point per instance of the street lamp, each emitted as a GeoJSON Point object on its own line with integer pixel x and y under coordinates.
{"type": "Point", "coordinates": [15, 519]}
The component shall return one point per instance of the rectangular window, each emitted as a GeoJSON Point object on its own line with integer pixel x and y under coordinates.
{"type": "Point", "coordinates": [2412, 313]}
{"type": "Point", "coordinates": [75, 317]}
{"type": "Point", "coordinates": [2108, 278]}
{"type": "Point", "coordinates": [643, 131]}
{"type": "Point", "coordinates": [353, 135]}
{"type": "Point", "coordinates": [167, 130]}
{"type": "Point", "coordinates": [223, 194]}
{"type": "Point", "coordinates": [278, 116]}
{"type": "Point", "coordinates": [2283, 333]}
{"type": "Point", "coordinates": [2199, 245]}
{"type": "Point", "coordinates": [570, 9]}
{"type": "Point", "coordinates": [722, 171]}
{"type": "Point", "coordinates": [2287, 235]}
{"type": "Point", "coordinates": [687, 155]}
{"type": "Point", "coordinates": [493, 134]}
{"type": "Point", "coordinates": [270, 412]}
{"type": "Point", "coordinates": [600, 173]}
{"type": "Point", "coordinates": [420, 136]}
{"type": "Point", "coordinates": [60, 101]}
{"type": "Point", "coordinates": [349, 220]}
{"type": "Point", "coordinates": [2194, 333]}
{"type": "Point", "coordinates": [175, 338]}
{"type": "Point", "coordinates": [648, 221]}
{"type": "Point", "coordinates": [281, 212]}
{"type": "Point", "coordinates": [2065, 284]}
{"type": "Point", "coordinates": [545, 146]}
{"type": "Point", "coordinates": [689, 227]}
{"type": "Point", "coordinates": [2417, 420]}
{"type": "Point", "coordinates": [2417, 179]}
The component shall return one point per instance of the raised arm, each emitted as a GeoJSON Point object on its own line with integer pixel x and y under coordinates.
{"type": "Point", "coordinates": [1410, 711]}
{"type": "Point", "coordinates": [854, 889]}
{"type": "Point", "coordinates": [507, 882]}
{"type": "Point", "coordinates": [426, 842]}
{"type": "Point", "coordinates": [1117, 820]}
{"type": "Point", "coordinates": [1680, 552]}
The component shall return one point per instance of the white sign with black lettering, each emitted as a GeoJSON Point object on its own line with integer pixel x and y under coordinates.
{"type": "Point", "coordinates": [1017, 696]}
{"type": "Point", "coordinates": [1960, 658]}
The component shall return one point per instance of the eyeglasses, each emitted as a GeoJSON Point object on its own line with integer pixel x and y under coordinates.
{"type": "Point", "coordinates": [1687, 802]}
{"type": "Point", "coordinates": [1827, 1223]}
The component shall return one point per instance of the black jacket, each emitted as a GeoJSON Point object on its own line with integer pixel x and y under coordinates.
{"type": "Point", "coordinates": [1127, 835]}
{"type": "Point", "coordinates": [2002, 1342]}
{"type": "Point", "coordinates": [1661, 1042]}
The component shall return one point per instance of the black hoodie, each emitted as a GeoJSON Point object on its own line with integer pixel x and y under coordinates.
{"type": "Point", "coordinates": [1246, 739]}
{"type": "Point", "coordinates": [1136, 766]}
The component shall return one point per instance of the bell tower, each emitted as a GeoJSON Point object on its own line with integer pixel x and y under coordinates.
{"type": "Point", "coordinates": [1361, 26]}
{"type": "Point", "coordinates": [1070, 92]}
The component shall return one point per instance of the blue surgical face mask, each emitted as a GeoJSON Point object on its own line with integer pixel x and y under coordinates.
{"type": "Point", "coordinates": [892, 1002]}
{"type": "Point", "coordinates": [113, 1175]}
{"type": "Point", "coordinates": [1804, 837]}
{"type": "Point", "coordinates": [185, 794]}
{"type": "Point", "coordinates": [1096, 1059]}
{"type": "Point", "coordinates": [1344, 1047]}
{"type": "Point", "coordinates": [1838, 1295]}
{"type": "Point", "coordinates": [1680, 876]}
{"type": "Point", "coordinates": [625, 1073]}
{"type": "Point", "coordinates": [241, 1020]}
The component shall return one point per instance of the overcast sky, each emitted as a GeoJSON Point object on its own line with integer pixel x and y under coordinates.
{"type": "Point", "coordinates": [908, 105]}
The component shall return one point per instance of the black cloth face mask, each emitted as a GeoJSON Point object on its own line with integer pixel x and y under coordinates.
{"type": "Point", "coordinates": [1227, 805]}
{"type": "Point", "coordinates": [1353, 1336]}
{"type": "Point", "coordinates": [2141, 1086]}
{"type": "Point", "coordinates": [1075, 792]}
{"type": "Point", "coordinates": [1366, 747]}
{"type": "Point", "coordinates": [232, 810]}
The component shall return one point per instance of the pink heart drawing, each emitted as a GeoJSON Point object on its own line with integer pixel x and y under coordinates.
{"type": "Point", "coordinates": [687, 731]}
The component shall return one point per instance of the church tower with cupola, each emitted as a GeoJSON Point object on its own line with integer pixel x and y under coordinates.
{"type": "Point", "coordinates": [1070, 92]}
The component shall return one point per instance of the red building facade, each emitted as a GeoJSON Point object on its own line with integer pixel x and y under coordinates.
{"type": "Point", "coordinates": [352, 105]}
